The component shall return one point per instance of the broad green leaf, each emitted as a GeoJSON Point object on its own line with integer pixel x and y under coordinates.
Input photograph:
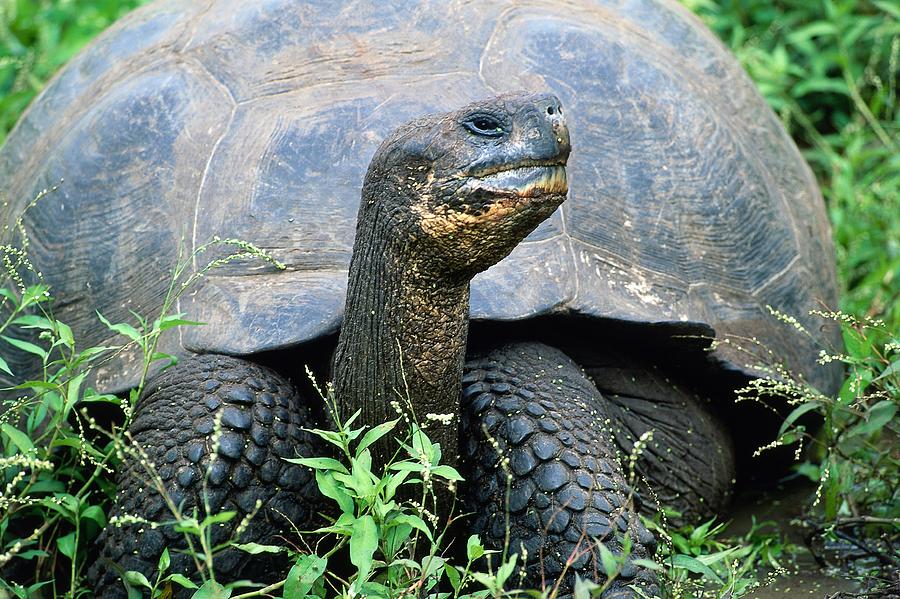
{"type": "Point", "coordinates": [164, 560]}
{"type": "Point", "coordinates": [181, 580]}
{"type": "Point", "coordinates": [211, 590]}
{"type": "Point", "coordinates": [65, 334]}
{"type": "Point", "coordinates": [686, 562]}
{"type": "Point", "coordinates": [407, 466]}
{"type": "Point", "coordinates": [303, 575]}
{"type": "Point", "coordinates": [609, 560]}
{"type": "Point", "coordinates": [33, 321]}
{"type": "Point", "coordinates": [25, 346]}
{"type": "Point", "coordinates": [330, 488]}
{"type": "Point", "coordinates": [892, 369]}
{"type": "Point", "coordinates": [446, 472]}
{"type": "Point", "coordinates": [374, 434]}
{"type": "Point", "coordinates": [18, 438]}
{"type": "Point", "coordinates": [393, 482]}
{"type": "Point", "coordinates": [136, 578]}
{"type": "Point", "coordinates": [95, 514]}
{"type": "Point", "coordinates": [421, 446]}
{"type": "Point", "coordinates": [73, 389]}
{"type": "Point", "coordinates": [584, 587]}
{"type": "Point", "coordinates": [363, 543]}
{"type": "Point", "coordinates": [319, 464]}
{"type": "Point", "coordinates": [699, 533]}
{"type": "Point", "coordinates": [506, 569]}
{"type": "Point", "coordinates": [888, 7]}
{"type": "Point", "coordinates": [394, 537]}
{"type": "Point", "coordinates": [5, 367]}
{"type": "Point", "coordinates": [413, 521]}
{"type": "Point", "coordinates": [474, 548]}
{"type": "Point", "coordinates": [648, 564]}
{"type": "Point", "coordinates": [453, 576]}
{"type": "Point", "coordinates": [66, 545]}
{"type": "Point", "coordinates": [876, 417]}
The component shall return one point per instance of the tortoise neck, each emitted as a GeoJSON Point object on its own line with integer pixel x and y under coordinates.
{"type": "Point", "coordinates": [403, 337]}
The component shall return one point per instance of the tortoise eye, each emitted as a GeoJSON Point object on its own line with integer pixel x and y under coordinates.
{"type": "Point", "coordinates": [484, 125]}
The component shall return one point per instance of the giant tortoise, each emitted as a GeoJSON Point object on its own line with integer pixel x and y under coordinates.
{"type": "Point", "coordinates": [690, 212]}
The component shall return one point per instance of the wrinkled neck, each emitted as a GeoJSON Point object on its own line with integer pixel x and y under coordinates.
{"type": "Point", "coordinates": [403, 338]}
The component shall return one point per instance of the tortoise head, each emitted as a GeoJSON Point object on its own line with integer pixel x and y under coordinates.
{"type": "Point", "coordinates": [469, 185]}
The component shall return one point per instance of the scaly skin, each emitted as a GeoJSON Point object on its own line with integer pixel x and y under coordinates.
{"type": "Point", "coordinates": [529, 408]}
{"type": "Point", "coordinates": [261, 419]}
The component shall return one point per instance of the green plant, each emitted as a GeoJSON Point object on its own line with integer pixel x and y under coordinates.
{"type": "Point", "coordinates": [852, 455]}
{"type": "Point", "coordinates": [55, 465]}
{"type": "Point", "coordinates": [39, 36]}
{"type": "Point", "coordinates": [701, 561]}
{"type": "Point", "coordinates": [388, 518]}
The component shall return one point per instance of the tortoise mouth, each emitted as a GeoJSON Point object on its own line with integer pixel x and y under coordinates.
{"type": "Point", "coordinates": [525, 181]}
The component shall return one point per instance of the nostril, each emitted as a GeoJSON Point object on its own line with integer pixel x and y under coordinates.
{"type": "Point", "coordinates": [550, 110]}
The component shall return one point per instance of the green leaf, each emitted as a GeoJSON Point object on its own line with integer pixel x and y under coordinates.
{"type": "Point", "coordinates": [686, 562]}
{"type": "Point", "coordinates": [876, 417]}
{"type": "Point", "coordinates": [648, 564]}
{"type": "Point", "coordinates": [319, 464]}
{"type": "Point", "coordinates": [821, 85]}
{"type": "Point", "coordinates": [584, 587]}
{"type": "Point", "coordinates": [303, 575]}
{"type": "Point", "coordinates": [699, 533]}
{"type": "Point", "coordinates": [474, 548]}
{"type": "Point", "coordinates": [609, 560]}
{"type": "Point", "coordinates": [5, 367]}
{"type": "Point", "coordinates": [66, 545]}
{"type": "Point", "coordinates": [413, 521]}
{"type": "Point", "coordinates": [18, 438]}
{"type": "Point", "coordinates": [25, 346]}
{"type": "Point", "coordinates": [181, 580]}
{"type": "Point", "coordinates": [421, 445]}
{"type": "Point", "coordinates": [65, 334]}
{"type": "Point", "coordinates": [506, 569]}
{"type": "Point", "coordinates": [374, 434]}
{"type": "Point", "coordinates": [453, 576]}
{"type": "Point", "coordinates": [363, 543]}
{"type": "Point", "coordinates": [407, 466]}
{"type": "Point", "coordinates": [394, 537]}
{"type": "Point", "coordinates": [175, 320]}
{"type": "Point", "coordinates": [73, 389]}
{"type": "Point", "coordinates": [136, 578]}
{"type": "Point", "coordinates": [889, 7]}
{"type": "Point", "coordinates": [331, 489]}
{"type": "Point", "coordinates": [33, 321]}
{"type": "Point", "coordinates": [797, 413]}
{"type": "Point", "coordinates": [164, 560]}
{"type": "Point", "coordinates": [123, 329]}
{"type": "Point", "coordinates": [211, 590]}
{"type": "Point", "coordinates": [892, 369]}
{"type": "Point", "coordinates": [393, 482]}
{"type": "Point", "coordinates": [256, 548]}
{"type": "Point", "coordinates": [217, 518]}
{"type": "Point", "coordinates": [95, 514]}
{"type": "Point", "coordinates": [446, 472]}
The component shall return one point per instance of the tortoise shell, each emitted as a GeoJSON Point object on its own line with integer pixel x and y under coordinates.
{"type": "Point", "coordinates": [689, 205]}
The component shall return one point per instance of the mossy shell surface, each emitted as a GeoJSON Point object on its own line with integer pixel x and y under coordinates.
{"type": "Point", "coordinates": [689, 205]}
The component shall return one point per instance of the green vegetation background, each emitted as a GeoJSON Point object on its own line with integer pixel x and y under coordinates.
{"type": "Point", "coordinates": [829, 70]}
{"type": "Point", "coordinates": [827, 67]}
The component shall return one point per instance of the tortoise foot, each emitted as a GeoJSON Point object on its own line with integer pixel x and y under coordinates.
{"type": "Point", "coordinates": [544, 467]}
{"type": "Point", "coordinates": [212, 432]}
